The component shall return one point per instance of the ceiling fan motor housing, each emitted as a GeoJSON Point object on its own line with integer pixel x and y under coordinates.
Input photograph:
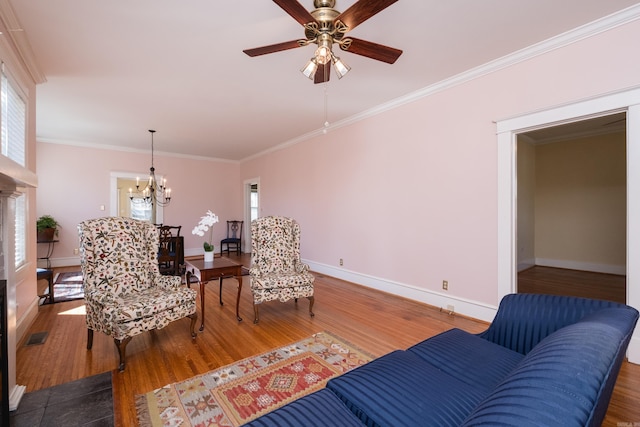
{"type": "Point", "coordinates": [324, 3]}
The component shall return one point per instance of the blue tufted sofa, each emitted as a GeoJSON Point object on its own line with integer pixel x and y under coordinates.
{"type": "Point", "coordinates": [544, 361]}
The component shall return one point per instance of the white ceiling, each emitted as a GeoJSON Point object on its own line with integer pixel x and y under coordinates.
{"type": "Point", "coordinates": [117, 68]}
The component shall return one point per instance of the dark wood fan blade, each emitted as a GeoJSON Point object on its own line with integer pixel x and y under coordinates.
{"type": "Point", "coordinates": [296, 11]}
{"type": "Point", "coordinates": [373, 50]}
{"type": "Point", "coordinates": [362, 10]}
{"type": "Point", "coordinates": [272, 48]}
{"type": "Point", "coordinates": [323, 73]}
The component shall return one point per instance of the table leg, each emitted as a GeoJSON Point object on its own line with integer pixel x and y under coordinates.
{"type": "Point", "coordinates": [202, 304]}
{"type": "Point", "coordinates": [221, 277]}
{"type": "Point", "coordinates": [239, 278]}
{"type": "Point", "coordinates": [51, 296]}
{"type": "Point", "coordinates": [187, 278]}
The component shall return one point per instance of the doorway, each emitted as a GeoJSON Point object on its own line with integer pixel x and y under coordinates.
{"type": "Point", "coordinates": [571, 209]}
{"type": "Point", "coordinates": [507, 130]}
{"type": "Point", "coordinates": [121, 204]}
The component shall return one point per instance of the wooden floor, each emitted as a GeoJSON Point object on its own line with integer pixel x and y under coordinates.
{"type": "Point", "coordinates": [374, 321]}
{"type": "Point", "coordinates": [560, 281]}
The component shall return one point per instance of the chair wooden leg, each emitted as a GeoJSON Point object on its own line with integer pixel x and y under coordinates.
{"type": "Point", "coordinates": [194, 320]}
{"type": "Point", "coordinates": [122, 347]}
{"type": "Point", "coordinates": [311, 301]}
{"type": "Point", "coordinates": [256, 319]}
{"type": "Point", "coordinates": [89, 338]}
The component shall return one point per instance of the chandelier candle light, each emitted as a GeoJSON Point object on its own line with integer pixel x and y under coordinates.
{"type": "Point", "coordinates": [154, 193]}
{"type": "Point", "coordinates": [206, 224]}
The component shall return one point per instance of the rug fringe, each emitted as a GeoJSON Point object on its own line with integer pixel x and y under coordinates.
{"type": "Point", "coordinates": [142, 409]}
{"type": "Point", "coordinates": [355, 347]}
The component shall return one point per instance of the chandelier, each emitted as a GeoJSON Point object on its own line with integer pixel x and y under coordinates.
{"type": "Point", "coordinates": [154, 192]}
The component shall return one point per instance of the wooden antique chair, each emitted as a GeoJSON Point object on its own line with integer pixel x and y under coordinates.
{"type": "Point", "coordinates": [234, 237]}
{"type": "Point", "coordinates": [125, 294]}
{"type": "Point", "coordinates": [277, 272]}
{"type": "Point", "coordinates": [170, 251]}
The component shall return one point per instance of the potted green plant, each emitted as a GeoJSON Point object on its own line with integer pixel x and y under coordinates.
{"type": "Point", "coordinates": [47, 228]}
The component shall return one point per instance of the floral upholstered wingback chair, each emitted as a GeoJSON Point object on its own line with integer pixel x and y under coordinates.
{"type": "Point", "coordinates": [277, 271]}
{"type": "Point", "coordinates": [125, 294]}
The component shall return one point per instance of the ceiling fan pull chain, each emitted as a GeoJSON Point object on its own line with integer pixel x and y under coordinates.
{"type": "Point", "coordinates": [326, 107]}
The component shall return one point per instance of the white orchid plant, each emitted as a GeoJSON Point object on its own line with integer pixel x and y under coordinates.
{"type": "Point", "coordinates": [206, 224]}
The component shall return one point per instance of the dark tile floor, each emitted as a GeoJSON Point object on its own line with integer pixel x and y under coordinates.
{"type": "Point", "coordinates": [85, 402]}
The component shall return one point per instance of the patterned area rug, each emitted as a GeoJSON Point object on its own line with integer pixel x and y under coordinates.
{"type": "Point", "coordinates": [238, 393]}
{"type": "Point", "coordinates": [67, 286]}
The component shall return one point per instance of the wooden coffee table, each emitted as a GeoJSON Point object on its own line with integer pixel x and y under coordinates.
{"type": "Point", "coordinates": [218, 269]}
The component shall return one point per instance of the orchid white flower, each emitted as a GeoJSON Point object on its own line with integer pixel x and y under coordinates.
{"type": "Point", "coordinates": [206, 224]}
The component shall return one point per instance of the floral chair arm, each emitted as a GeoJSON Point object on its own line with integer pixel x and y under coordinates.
{"type": "Point", "coordinates": [100, 297]}
{"type": "Point", "coordinates": [301, 267]}
{"type": "Point", "coordinates": [168, 282]}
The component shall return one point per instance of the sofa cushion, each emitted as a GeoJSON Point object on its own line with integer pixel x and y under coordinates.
{"type": "Point", "coordinates": [523, 320]}
{"type": "Point", "coordinates": [319, 409]}
{"type": "Point", "coordinates": [468, 358]}
{"type": "Point", "coordinates": [558, 383]}
{"type": "Point", "coordinates": [401, 389]}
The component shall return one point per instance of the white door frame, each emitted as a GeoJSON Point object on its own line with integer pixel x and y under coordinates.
{"type": "Point", "coordinates": [247, 211]}
{"type": "Point", "coordinates": [507, 130]}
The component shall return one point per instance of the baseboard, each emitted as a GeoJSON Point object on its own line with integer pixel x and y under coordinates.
{"type": "Point", "coordinates": [583, 266]}
{"type": "Point", "coordinates": [23, 324]}
{"type": "Point", "coordinates": [465, 307]}
{"type": "Point", "coordinates": [525, 265]}
{"type": "Point", "coordinates": [61, 262]}
{"type": "Point", "coordinates": [16, 396]}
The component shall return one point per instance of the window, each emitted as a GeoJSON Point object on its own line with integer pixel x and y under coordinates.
{"type": "Point", "coordinates": [21, 230]}
{"type": "Point", "coordinates": [13, 125]}
{"type": "Point", "coordinates": [141, 210]}
{"type": "Point", "coordinates": [254, 201]}
{"type": "Point", "coordinates": [14, 120]}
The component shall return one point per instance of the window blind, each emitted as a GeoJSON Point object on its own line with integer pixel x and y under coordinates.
{"type": "Point", "coordinates": [13, 125]}
{"type": "Point", "coordinates": [13, 122]}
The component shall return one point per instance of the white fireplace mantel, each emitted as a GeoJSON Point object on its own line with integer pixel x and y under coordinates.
{"type": "Point", "coordinates": [13, 180]}
{"type": "Point", "coordinates": [12, 175]}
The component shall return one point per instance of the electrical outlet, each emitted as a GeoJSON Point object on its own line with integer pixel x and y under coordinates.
{"type": "Point", "coordinates": [445, 285]}
{"type": "Point", "coordinates": [75, 251]}
{"type": "Point", "coordinates": [341, 261]}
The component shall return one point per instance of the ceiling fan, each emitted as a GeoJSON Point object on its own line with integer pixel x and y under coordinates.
{"type": "Point", "coordinates": [325, 26]}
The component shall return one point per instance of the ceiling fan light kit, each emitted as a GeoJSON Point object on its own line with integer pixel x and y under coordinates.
{"type": "Point", "coordinates": [325, 26]}
{"type": "Point", "coordinates": [309, 70]}
{"type": "Point", "coordinates": [341, 67]}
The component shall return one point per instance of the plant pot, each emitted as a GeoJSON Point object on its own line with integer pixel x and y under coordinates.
{"type": "Point", "coordinates": [208, 256]}
{"type": "Point", "coordinates": [46, 234]}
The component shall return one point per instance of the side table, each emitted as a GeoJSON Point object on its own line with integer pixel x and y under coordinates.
{"type": "Point", "coordinates": [45, 273]}
{"type": "Point", "coordinates": [50, 245]}
{"type": "Point", "coordinates": [206, 271]}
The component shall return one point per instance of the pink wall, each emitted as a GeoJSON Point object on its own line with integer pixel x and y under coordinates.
{"type": "Point", "coordinates": [75, 182]}
{"type": "Point", "coordinates": [407, 197]}
{"type": "Point", "coordinates": [410, 196]}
